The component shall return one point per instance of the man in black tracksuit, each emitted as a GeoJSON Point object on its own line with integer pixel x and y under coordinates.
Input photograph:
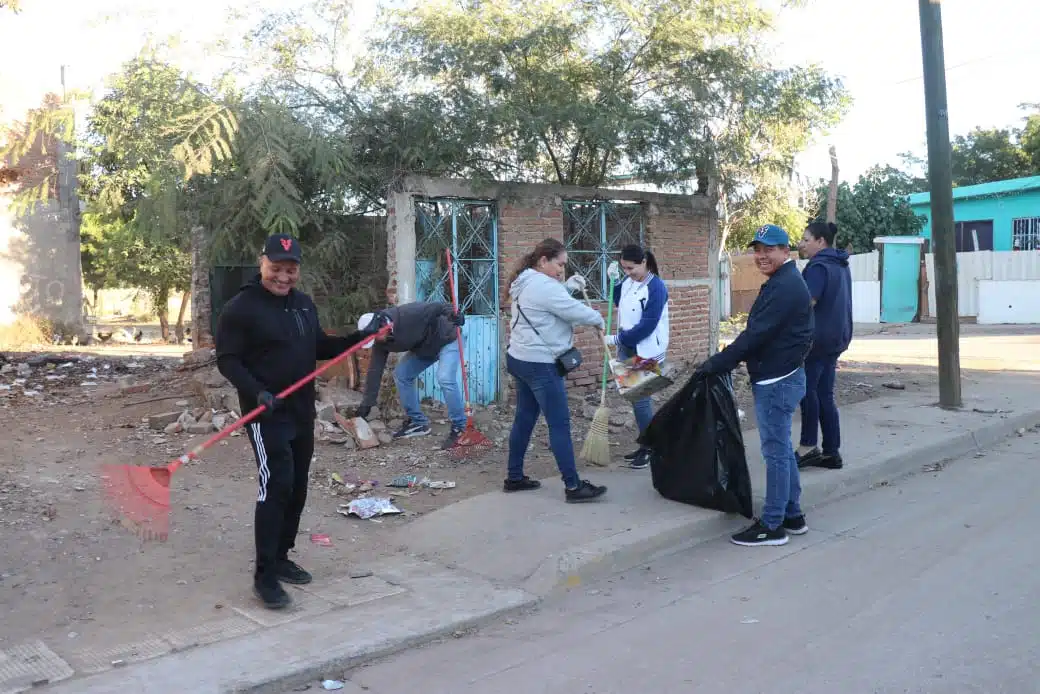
{"type": "Point", "coordinates": [774, 345]}
{"type": "Point", "coordinates": [269, 337]}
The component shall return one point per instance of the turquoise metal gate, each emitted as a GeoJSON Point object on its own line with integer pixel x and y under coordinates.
{"type": "Point", "coordinates": [470, 229]}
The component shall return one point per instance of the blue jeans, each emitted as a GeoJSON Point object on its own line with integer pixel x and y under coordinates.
{"type": "Point", "coordinates": [643, 409]}
{"type": "Point", "coordinates": [448, 374]}
{"type": "Point", "coordinates": [540, 389]}
{"type": "Point", "coordinates": [774, 408]}
{"type": "Point", "coordinates": [818, 407]}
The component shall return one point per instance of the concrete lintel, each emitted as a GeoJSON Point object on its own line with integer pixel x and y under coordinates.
{"type": "Point", "coordinates": [498, 190]}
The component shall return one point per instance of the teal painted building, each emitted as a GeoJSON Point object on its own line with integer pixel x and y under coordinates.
{"type": "Point", "coordinates": [998, 216]}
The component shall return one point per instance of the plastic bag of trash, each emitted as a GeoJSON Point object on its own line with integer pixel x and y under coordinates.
{"type": "Point", "coordinates": [699, 448]}
{"type": "Point", "coordinates": [369, 507]}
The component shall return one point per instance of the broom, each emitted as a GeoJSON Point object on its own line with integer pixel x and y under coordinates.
{"type": "Point", "coordinates": [471, 442]}
{"type": "Point", "coordinates": [597, 442]}
{"type": "Point", "coordinates": [140, 495]}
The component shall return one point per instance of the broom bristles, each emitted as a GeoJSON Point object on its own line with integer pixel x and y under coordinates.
{"type": "Point", "coordinates": [140, 498]}
{"type": "Point", "coordinates": [597, 442]}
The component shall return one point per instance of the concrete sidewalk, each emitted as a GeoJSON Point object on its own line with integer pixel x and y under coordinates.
{"type": "Point", "coordinates": [491, 554]}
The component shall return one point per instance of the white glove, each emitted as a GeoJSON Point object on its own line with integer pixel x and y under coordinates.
{"type": "Point", "coordinates": [575, 284]}
{"type": "Point", "coordinates": [614, 272]}
{"type": "Point", "coordinates": [610, 340]}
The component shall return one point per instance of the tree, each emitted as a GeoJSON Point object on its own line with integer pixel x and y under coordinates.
{"type": "Point", "coordinates": [985, 155]}
{"type": "Point", "coordinates": [579, 91]}
{"type": "Point", "coordinates": [875, 206]}
{"type": "Point", "coordinates": [140, 207]}
{"type": "Point", "coordinates": [13, 5]}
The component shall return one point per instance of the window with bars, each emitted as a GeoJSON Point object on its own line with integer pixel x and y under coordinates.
{"type": "Point", "coordinates": [1026, 234]}
{"type": "Point", "coordinates": [594, 232]}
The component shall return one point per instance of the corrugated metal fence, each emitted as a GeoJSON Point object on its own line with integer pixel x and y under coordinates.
{"type": "Point", "coordinates": [979, 266]}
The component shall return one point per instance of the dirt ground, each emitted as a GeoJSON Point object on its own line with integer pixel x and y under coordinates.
{"type": "Point", "coordinates": [71, 575]}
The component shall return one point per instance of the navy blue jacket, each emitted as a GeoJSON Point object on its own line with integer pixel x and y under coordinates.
{"type": "Point", "coordinates": [830, 284]}
{"type": "Point", "coordinates": [779, 330]}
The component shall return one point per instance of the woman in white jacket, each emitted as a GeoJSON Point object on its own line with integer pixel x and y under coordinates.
{"type": "Point", "coordinates": [642, 309]}
{"type": "Point", "coordinates": [541, 329]}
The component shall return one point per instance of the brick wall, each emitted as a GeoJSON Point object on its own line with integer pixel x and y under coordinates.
{"type": "Point", "coordinates": [677, 230]}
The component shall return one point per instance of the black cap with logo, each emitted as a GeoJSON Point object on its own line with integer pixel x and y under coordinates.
{"type": "Point", "coordinates": [282, 247]}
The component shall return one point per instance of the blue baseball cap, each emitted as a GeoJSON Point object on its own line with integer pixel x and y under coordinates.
{"type": "Point", "coordinates": [770, 235]}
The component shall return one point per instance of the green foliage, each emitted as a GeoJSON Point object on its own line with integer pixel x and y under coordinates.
{"type": "Point", "coordinates": [875, 206]}
{"type": "Point", "coordinates": [985, 155]}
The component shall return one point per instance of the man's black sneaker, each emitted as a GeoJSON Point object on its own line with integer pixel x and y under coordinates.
{"type": "Point", "coordinates": [642, 460]}
{"type": "Point", "coordinates": [521, 485]}
{"type": "Point", "coordinates": [796, 525]}
{"type": "Point", "coordinates": [633, 455]}
{"type": "Point", "coordinates": [290, 572]}
{"type": "Point", "coordinates": [585, 491]}
{"type": "Point", "coordinates": [451, 439]}
{"type": "Point", "coordinates": [409, 430]}
{"type": "Point", "coordinates": [831, 462]}
{"type": "Point", "coordinates": [758, 534]}
{"type": "Point", "coordinates": [271, 593]}
{"type": "Point", "coordinates": [809, 458]}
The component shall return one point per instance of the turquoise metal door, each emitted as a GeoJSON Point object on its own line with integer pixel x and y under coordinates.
{"type": "Point", "coordinates": [470, 229]}
{"type": "Point", "coordinates": [900, 270]}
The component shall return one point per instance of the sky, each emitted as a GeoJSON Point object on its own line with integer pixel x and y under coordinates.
{"type": "Point", "coordinates": [992, 58]}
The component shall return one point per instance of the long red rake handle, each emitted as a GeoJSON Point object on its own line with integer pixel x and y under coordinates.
{"type": "Point", "coordinates": [196, 452]}
{"type": "Point", "coordinates": [458, 334]}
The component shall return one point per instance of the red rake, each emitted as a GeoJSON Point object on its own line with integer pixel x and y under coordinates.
{"type": "Point", "coordinates": [140, 495]}
{"type": "Point", "coordinates": [471, 442]}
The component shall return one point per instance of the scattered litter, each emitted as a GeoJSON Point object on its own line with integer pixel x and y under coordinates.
{"type": "Point", "coordinates": [360, 574]}
{"type": "Point", "coordinates": [338, 478]}
{"type": "Point", "coordinates": [404, 481]}
{"type": "Point", "coordinates": [749, 620]}
{"type": "Point", "coordinates": [369, 507]}
{"type": "Point", "coordinates": [331, 685]}
{"type": "Point", "coordinates": [437, 484]}
{"type": "Point", "coordinates": [894, 385]}
{"type": "Point", "coordinates": [982, 410]}
{"type": "Point", "coordinates": [321, 540]}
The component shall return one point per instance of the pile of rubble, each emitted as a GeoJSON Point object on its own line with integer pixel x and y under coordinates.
{"type": "Point", "coordinates": [198, 420]}
{"type": "Point", "coordinates": [39, 375]}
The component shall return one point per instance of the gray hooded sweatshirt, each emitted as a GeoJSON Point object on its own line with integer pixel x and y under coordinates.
{"type": "Point", "coordinates": [552, 311]}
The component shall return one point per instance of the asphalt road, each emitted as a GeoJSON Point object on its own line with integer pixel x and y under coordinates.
{"type": "Point", "coordinates": [930, 585]}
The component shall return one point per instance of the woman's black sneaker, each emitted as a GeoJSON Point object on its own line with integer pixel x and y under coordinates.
{"type": "Point", "coordinates": [642, 459]}
{"type": "Point", "coordinates": [633, 455]}
{"type": "Point", "coordinates": [808, 459]}
{"type": "Point", "coordinates": [521, 485]}
{"type": "Point", "coordinates": [585, 491]}
{"type": "Point", "coordinates": [271, 593]}
{"type": "Point", "coordinates": [291, 572]}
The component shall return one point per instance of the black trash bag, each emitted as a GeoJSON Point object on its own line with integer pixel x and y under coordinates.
{"type": "Point", "coordinates": [699, 448]}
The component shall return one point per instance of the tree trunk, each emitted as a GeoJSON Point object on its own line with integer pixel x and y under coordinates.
{"type": "Point", "coordinates": [179, 330]}
{"type": "Point", "coordinates": [162, 307]}
{"type": "Point", "coordinates": [201, 299]}
{"type": "Point", "coordinates": [832, 192]}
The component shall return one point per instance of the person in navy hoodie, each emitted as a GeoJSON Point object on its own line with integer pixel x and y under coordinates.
{"type": "Point", "coordinates": [642, 310]}
{"type": "Point", "coordinates": [774, 345]}
{"type": "Point", "coordinates": [830, 283]}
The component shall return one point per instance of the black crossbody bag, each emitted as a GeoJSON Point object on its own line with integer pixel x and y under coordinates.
{"type": "Point", "coordinates": [566, 361]}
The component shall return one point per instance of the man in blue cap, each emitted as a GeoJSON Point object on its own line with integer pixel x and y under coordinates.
{"type": "Point", "coordinates": [269, 337]}
{"type": "Point", "coordinates": [774, 345]}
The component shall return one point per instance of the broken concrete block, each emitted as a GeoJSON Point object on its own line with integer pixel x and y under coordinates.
{"type": "Point", "coordinates": [326, 411]}
{"type": "Point", "coordinates": [161, 421]}
{"type": "Point", "coordinates": [200, 428]}
{"type": "Point", "coordinates": [359, 429]}
{"type": "Point", "coordinates": [173, 428]}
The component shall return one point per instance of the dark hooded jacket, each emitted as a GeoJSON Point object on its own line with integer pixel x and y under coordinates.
{"type": "Point", "coordinates": [830, 283]}
{"type": "Point", "coordinates": [268, 342]}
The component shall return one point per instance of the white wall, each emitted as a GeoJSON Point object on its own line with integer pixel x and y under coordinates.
{"type": "Point", "coordinates": [866, 302]}
{"type": "Point", "coordinates": [1009, 301]}
{"type": "Point", "coordinates": [983, 266]}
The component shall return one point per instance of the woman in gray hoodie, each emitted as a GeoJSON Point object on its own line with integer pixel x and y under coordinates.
{"type": "Point", "coordinates": [541, 329]}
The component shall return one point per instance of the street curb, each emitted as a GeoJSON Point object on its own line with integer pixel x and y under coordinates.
{"type": "Point", "coordinates": [596, 560]}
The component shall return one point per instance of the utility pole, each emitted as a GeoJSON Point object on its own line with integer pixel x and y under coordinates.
{"type": "Point", "coordinates": [940, 176]}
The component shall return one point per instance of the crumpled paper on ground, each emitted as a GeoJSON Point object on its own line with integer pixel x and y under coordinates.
{"type": "Point", "coordinates": [369, 507]}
